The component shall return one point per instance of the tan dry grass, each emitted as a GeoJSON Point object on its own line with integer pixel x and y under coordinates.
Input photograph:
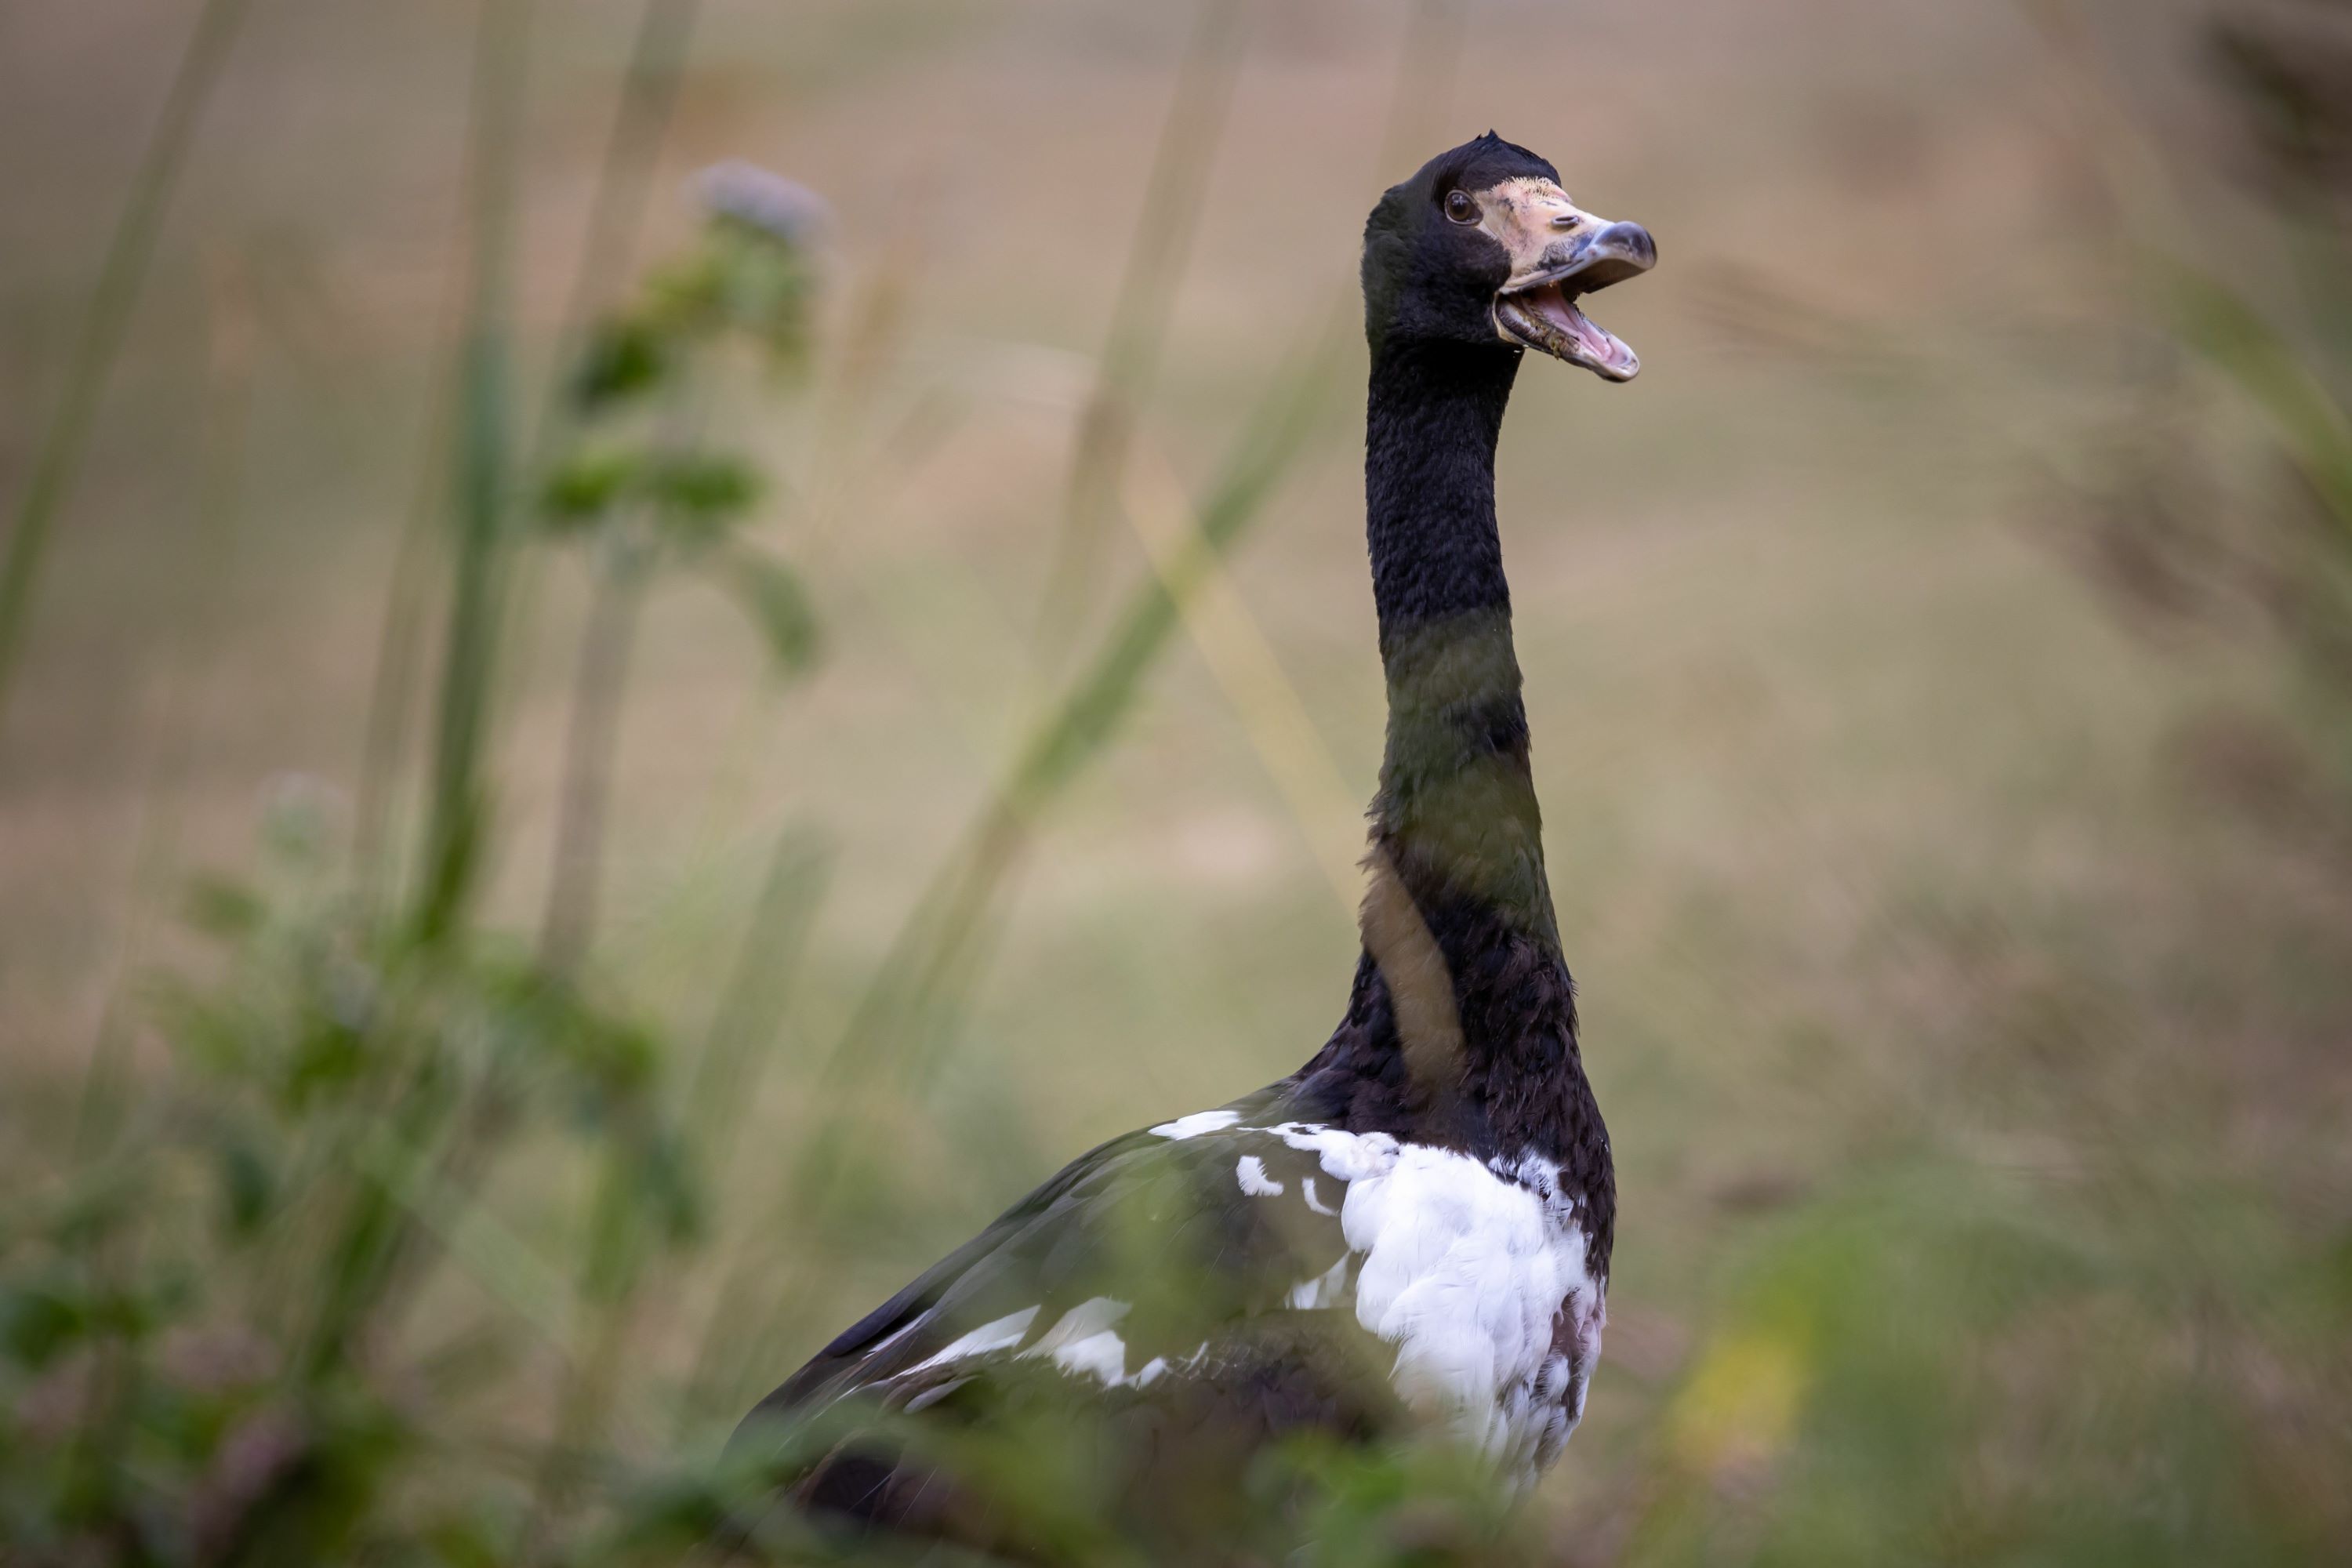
{"type": "Point", "coordinates": [1807, 701]}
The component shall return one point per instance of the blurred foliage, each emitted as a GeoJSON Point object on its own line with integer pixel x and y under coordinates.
{"type": "Point", "coordinates": [2139, 1354]}
{"type": "Point", "coordinates": [2172, 528]}
{"type": "Point", "coordinates": [637, 480]}
{"type": "Point", "coordinates": [226, 1336]}
{"type": "Point", "coordinates": [207, 1357]}
{"type": "Point", "coordinates": [106, 321]}
{"type": "Point", "coordinates": [1935, 1367]}
{"type": "Point", "coordinates": [210, 1341]}
{"type": "Point", "coordinates": [390, 1262]}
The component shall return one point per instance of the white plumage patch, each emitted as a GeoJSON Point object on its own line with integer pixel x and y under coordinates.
{"type": "Point", "coordinates": [1315, 1204]}
{"type": "Point", "coordinates": [1327, 1288]}
{"type": "Point", "coordinates": [1000, 1335]}
{"type": "Point", "coordinates": [1084, 1340]}
{"type": "Point", "coordinates": [1477, 1276]}
{"type": "Point", "coordinates": [1199, 1122]}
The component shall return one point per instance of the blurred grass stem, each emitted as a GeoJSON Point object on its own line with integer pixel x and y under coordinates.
{"type": "Point", "coordinates": [220, 496]}
{"type": "Point", "coordinates": [455, 823]}
{"type": "Point", "coordinates": [58, 460]}
{"type": "Point", "coordinates": [891, 1037]}
{"type": "Point", "coordinates": [392, 697]}
{"type": "Point", "coordinates": [625, 179]}
{"type": "Point", "coordinates": [938, 950]}
{"type": "Point", "coordinates": [600, 682]}
{"type": "Point", "coordinates": [2208, 313]}
{"type": "Point", "coordinates": [1249, 672]}
{"type": "Point", "coordinates": [1156, 258]}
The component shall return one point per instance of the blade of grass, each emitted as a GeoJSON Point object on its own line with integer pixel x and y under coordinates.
{"type": "Point", "coordinates": [938, 950]}
{"type": "Point", "coordinates": [128, 254]}
{"type": "Point", "coordinates": [850, 469]}
{"type": "Point", "coordinates": [1156, 260]}
{"type": "Point", "coordinates": [941, 947]}
{"type": "Point", "coordinates": [220, 493]}
{"type": "Point", "coordinates": [391, 699]}
{"type": "Point", "coordinates": [624, 182]}
{"type": "Point", "coordinates": [616, 596]}
{"type": "Point", "coordinates": [632, 147]}
{"type": "Point", "coordinates": [758, 992]}
{"type": "Point", "coordinates": [465, 1231]}
{"type": "Point", "coordinates": [2203, 311]}
{"type": "Point", "coordinates": [648, 96]}
{"type": "Point", "coordinates": [2238, 340]}
{"type": "Point", "coordinates": [1077, 730]}
{"type": "Point", "coordinates": [1249, 672]}
{"type": "Point", "coordinates": [611, 1282]}
{"type": "Point", "coordinates": [455, 823]}
{"type": "Point", "coordinates": [374, 1262]}
{"type": "Point", "coordinates": [725, 1078]}
{"type": "Point", "coordinates": [891, 1035]}
{"type": "Point", "coordinates": [726, 1083]}
{"type": "Point", "coordinates": [899, 1010]}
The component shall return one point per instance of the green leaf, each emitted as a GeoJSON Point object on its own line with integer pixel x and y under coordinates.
{"type": "Point", "coordinates": [39, 1320]}
{"type": "Point", "coordinates": [669, 1185]}
{"type": "Point", "coordinates": [687, 298]}
{"type": "Point", "coordinates": [223, 908]}
{"type": "Point", "coordinates": [248, 1188]}
{"type": "Point", "coordinates": [585, 486]}
{"type": "Point", "coordinates": [327, 1059]}
{"type": "Point", "coordinates": [699, 493]}
{"type": "Point", "coordinates": [624, 360]}
{"type": "Point", "coordinates": [771, 297]}
{"type": "Point", "coordinates": [773, 595]}
{"type": "Point", "coordinates": [2236, 339]}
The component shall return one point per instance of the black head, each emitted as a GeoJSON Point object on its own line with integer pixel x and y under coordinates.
{"type": "Point", "coordinates": [1482, 246]}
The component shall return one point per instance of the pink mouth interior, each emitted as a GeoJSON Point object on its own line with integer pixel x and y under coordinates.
{"type": "Point", "coordinates": [1555, 307]}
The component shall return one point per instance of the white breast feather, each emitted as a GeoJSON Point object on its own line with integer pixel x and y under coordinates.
{"type": "Point", "coordinates": [1466, 1270]}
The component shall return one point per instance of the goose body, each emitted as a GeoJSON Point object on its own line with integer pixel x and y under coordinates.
{"type": "Point", "coordinates": [1469, 1284]}
{"type": "Point", "coordinates": [1412, 1232]}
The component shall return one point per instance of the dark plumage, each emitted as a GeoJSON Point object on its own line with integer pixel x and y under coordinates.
{"type": "Point", "coordinates": [1414, 1229]}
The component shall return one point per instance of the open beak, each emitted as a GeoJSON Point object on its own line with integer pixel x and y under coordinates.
{"type": "Point", "coordinates": [1558, 256]}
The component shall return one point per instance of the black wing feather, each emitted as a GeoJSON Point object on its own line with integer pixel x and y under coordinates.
{"type": "Point", "coordinates": [1159, 1223]}
{"type": "Point", "coordinates": [1222, 1348]}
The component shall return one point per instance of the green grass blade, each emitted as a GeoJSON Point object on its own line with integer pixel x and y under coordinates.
{"type": "Point", "coordinates": [456, 825]}
{"type": "Point", "coordinates": [128, 255]}
{"type": "Point", "coordinates": [1172, 197]}
{"type": "Point", "coordinates": [2237, 339]}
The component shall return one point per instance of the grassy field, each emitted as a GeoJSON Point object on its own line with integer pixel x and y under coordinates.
{"type": "Point", "coordinates": [1952, 830]}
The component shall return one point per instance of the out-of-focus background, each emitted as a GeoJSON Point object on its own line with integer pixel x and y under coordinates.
{"type": "Point", "coordinates": [584, 787]}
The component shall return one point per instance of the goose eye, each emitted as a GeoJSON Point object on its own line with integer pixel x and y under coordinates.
{"type": "Point", "coordinates": [1460, 207]}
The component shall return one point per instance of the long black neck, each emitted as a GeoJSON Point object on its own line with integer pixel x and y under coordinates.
{"type": "Point", "coordinates": [1456, 811]}
{"type": "Point", "coordinates": [1461, 1025]}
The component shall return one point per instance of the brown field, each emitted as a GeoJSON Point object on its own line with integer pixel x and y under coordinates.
{"type": "Point", "coordinates": [1890, 856]}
